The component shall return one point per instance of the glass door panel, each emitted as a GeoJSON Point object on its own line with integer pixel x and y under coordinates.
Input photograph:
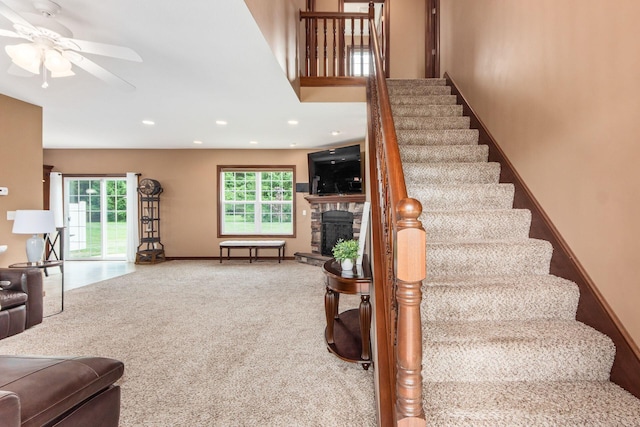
{"type": "Point", "coordinates": [96, 218]}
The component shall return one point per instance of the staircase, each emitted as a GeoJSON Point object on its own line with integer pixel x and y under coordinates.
{"type": "Point", "coordinates": [501, 345]}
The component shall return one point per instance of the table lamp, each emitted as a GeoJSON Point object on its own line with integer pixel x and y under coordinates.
{"type": "Point", "coordinates": [34, 222]}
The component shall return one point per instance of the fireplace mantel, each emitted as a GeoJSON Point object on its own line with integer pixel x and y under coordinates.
{"type": "Point", "coordinates": [335, 198]}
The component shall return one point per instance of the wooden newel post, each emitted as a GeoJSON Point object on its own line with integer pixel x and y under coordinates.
{"type": "Point", "coordinates": [410, 271]}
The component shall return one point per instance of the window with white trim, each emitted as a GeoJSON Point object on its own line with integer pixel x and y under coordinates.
{"type": "Point", "coordinates": [256, 201]}
{"type": "Point", "coordinates": [359, 60]}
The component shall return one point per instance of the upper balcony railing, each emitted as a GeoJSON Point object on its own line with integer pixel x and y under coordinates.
{"type": "Point", "coordinates": [337, 47]}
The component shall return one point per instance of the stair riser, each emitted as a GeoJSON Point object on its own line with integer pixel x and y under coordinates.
{"type": "Point", "coordinates": [427, 110]}
{"type": "Point", "coordinates": [447, 153]}
{"type": "Point", "coordinates": [452, 173]}
{"type": "Point", "coordinates": [464, 197]}
{"type": "Point", "coordinates": [518, 361]}
{"type": "Point", "coordinates": [566, 404]}
{"type": "Point", "coordinates": [420, 91]}
{"type": "Point", "coordinates": [432, 123]}
{"type": "Point", "coordinates": [437, 137]}
{"type": "Point", "coordinates": [508, 224]}
{"type": "Point", "coordinates": [487, 259]}
{"type": "Point", "coordinates": [499, 303]}
{"type": "Point", "coordinates": [415, 82]}
{"type": "Point", "coordinates": [423, 100]}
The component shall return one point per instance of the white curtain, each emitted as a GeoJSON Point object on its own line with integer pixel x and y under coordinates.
{"type": "Point", "coordinates": [56, 201]}
{"type": "Point", "coordinates": [132, 216]}
{"type": "Point", "coordinates": [56, 205]}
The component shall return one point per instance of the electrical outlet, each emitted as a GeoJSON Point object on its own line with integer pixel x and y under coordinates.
{"type": "Point", "coordinates": [11, 215]}
{"type": "Point", "coordinates": [4, 191]}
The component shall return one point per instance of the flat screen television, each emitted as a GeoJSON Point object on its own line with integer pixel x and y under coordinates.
{"type": "Point", "coordinates": [335, 171]}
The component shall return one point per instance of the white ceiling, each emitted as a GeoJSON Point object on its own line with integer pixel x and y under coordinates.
{"type": "Point", "coordinates": [203, 61]}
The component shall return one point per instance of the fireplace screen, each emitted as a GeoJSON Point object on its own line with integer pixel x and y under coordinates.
{"type": "Point", "coordinates": [335, 225]}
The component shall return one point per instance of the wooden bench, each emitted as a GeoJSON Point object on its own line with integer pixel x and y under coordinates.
{"type": "Point", "coordinates": [253, 245]}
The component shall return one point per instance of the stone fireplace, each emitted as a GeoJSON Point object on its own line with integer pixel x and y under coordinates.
{"type": "Point", "coordinates": [336, 209]}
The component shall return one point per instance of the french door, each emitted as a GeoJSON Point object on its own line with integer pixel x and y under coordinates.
{"type": "Point", "coordinates": [96, 218]}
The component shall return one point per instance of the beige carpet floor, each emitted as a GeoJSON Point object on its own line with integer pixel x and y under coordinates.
{"type": "Point", "coordinates": [209, 344]}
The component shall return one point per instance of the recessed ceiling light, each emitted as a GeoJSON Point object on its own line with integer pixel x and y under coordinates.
{"type": "Point", "coordinates": [148, 122]}
{"type": "Point", "coordinates": [335, 132]}
{"type": "Point", "coordinates": [197, 142]}
{"type": "Point", "coordinates": [293, 122]}
{"type": "Point", "coordinates": [221, 122]}
{"type": "Point", "coordinates": [292, 144]}
{"type": "Point", "coordinates": [253, 142]}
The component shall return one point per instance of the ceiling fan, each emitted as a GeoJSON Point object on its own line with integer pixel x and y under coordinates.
{"type": "Point", "coordinates": [51, 50]}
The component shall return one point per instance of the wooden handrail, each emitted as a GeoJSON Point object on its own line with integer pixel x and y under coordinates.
{"type": "Point", "coordinates": [398, 273]}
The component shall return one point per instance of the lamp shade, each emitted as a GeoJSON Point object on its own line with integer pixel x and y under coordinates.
{"type": "Point", "coordinates": [33, 222]}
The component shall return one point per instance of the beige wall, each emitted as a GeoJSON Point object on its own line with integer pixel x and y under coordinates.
{"type": "Point", "coordinates": [21, 171]}
{"type": "Point", "coordinates": [556, 82]}
{"type": "Point", "coordinates": [407, 35]}
{"type": "Point", "coordinates": [188, 204]}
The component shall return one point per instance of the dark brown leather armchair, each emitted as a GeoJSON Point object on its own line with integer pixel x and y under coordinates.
{"type": "Point", "coordinates": [21, 302]}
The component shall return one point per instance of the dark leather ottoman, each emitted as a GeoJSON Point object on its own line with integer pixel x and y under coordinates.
{"type": "Point", "coordinates": [59, 391]}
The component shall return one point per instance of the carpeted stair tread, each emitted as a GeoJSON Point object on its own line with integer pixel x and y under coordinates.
{"type": "Point", "coordinates": [531, 297]}
{"type": "Point", "coordinates": [538, 350]}
{"type": "Point", "coordinates": [416, 82]}
{"type": "Point", "coordinates": [505, 224]}
{"type": "Point", "coordinates": [423, 100]}
{"type": "Point", "coordinates": [433, 123]}
{"type": "Point", "coordinates": [444, 153]}
{"type": "Point", "coordinates": [437, 137]}
{"type": "Point", "coordinates": [463, 196]}
{"type": "Point", "coordinates": [427, 110]}
{"type": "Point", "coordinates": [488, 258]}
{"type": "Point", "coordinates": [530, 404]}
{"type": "Point", "coordinates": [452, 173]}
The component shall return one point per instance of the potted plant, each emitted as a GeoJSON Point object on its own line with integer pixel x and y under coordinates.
{"type": "Point", "coordinates": [345, 252]}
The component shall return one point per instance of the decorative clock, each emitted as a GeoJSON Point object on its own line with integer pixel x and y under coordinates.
{"type": "Point", "coordinates": [149, 187]}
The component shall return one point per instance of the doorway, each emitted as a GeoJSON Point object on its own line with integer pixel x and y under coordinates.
{"type": "Point", "coordinates": [95, 218]}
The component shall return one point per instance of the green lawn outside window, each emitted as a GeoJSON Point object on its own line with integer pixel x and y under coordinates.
{"type": "Point", "coordinates": [257, 201]}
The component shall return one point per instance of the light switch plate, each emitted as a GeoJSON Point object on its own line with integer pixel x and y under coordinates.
{"type": "Point", "coordinates": [4, 191]}
{"type": "Point", "coordinates": [11, 215]}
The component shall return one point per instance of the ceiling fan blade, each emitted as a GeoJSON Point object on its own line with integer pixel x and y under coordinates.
{"type": "Point", "coordinates": [93, 68]}
{"type": "Point", "coordinates": [104, 49]}
{"type": "Point", "coordinates": [7, 33]}
{"type": "Point", "coordinates": [13, 16]}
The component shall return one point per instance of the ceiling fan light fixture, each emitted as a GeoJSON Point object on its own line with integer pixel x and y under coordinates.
{"type": "Point", "coordinates": [57, 64]}
{"type": "Point", "coordinates": [25, 55]}
{"type": "Point", "coordinates": [67, 73]}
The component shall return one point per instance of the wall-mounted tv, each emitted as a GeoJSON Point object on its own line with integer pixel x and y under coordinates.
{"type": "Point", "coordinates": [335, 171]}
